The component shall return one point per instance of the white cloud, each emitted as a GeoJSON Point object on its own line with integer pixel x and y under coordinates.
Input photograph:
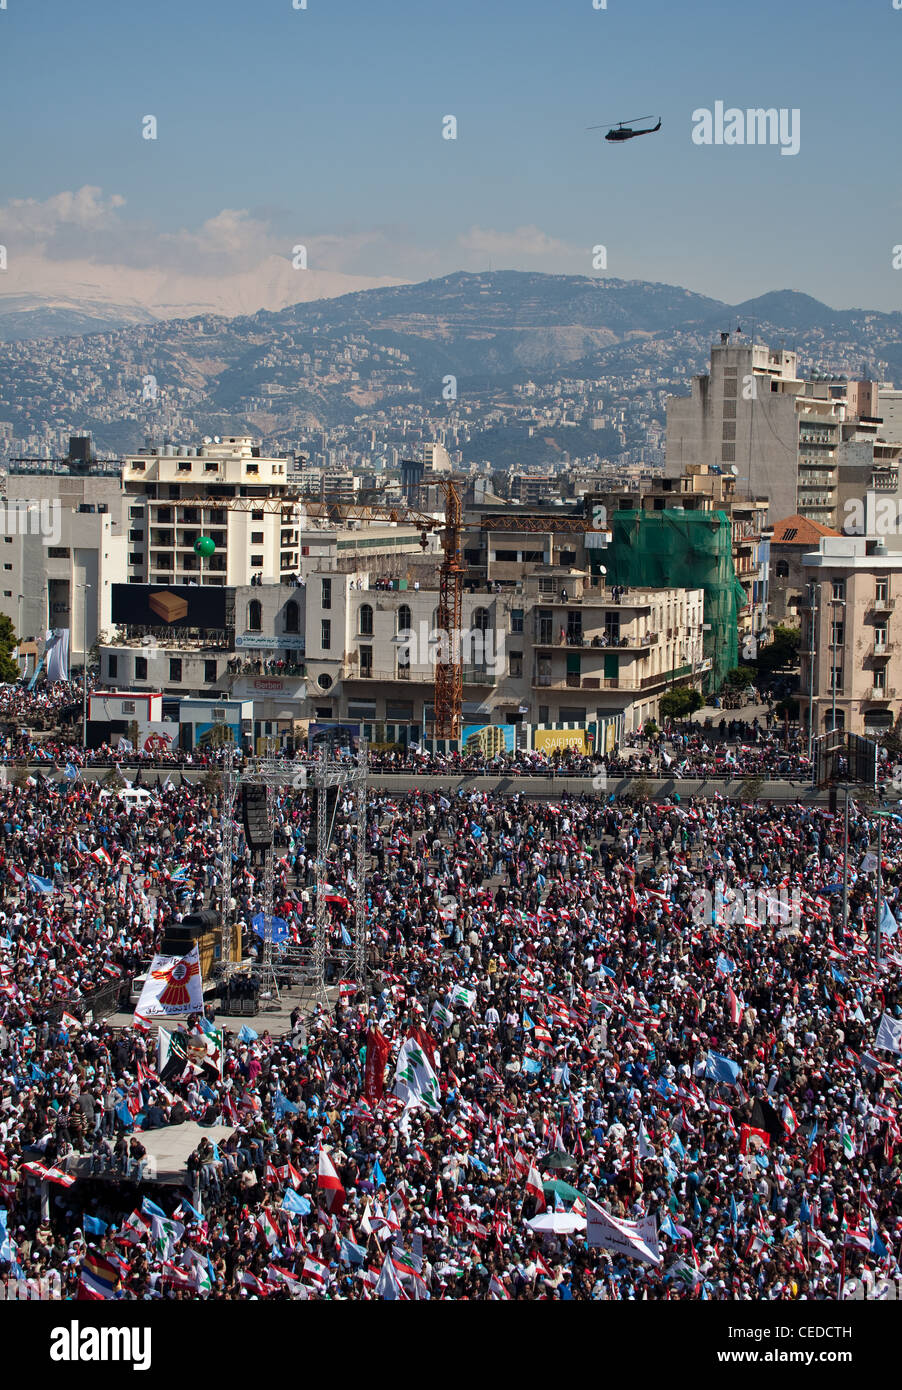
{"type": "Point", "coordinates": [80, 245]}
{"type": "Point", "coordinates": [525, 242]}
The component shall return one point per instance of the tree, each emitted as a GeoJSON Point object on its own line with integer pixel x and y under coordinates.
{"type": "Point", "coordinates": [674, 704]}
{"type": "Point", "coordinates": [9, 670]}
{"type": "Point", "coordinates": [782, 650]}
{"type": "Point", "coordinates": [750, 789]}
{"type": "Point", "coordinates": [677, 704]}
{"type": "Point", "coordinates": [741, 675]}
{"type": "Point", "coordinates": [641, 789]}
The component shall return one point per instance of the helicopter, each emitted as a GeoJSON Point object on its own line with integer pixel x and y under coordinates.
{"type": "Point", "coordinates": [622, 130]}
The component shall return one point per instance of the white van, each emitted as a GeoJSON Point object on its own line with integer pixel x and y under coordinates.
{"type": "Point", "coordinates": [133, 798]}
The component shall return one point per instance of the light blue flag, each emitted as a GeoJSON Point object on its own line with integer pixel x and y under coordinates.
{"type": "Point", "coordinates": [888, 924]}
{"type": "Point", "coordinates": [94, 1226]}
{"type": "Point", "coordinates": [532, 1066]}
{"type": "Point", "coordinates": [718, 1068]}
{"type": "Point", "coordinates": [724, 965]}
{"type": "Point", "coordinates": [878, 1247]}
{"type": "Point", "coordinates": [294, 1202]}
{"type": "Point", "coordinates": [527, 1021]}
{"type": "Point", "coordinates": [282, 1106]}
{"type": "Point", "coordinates": [247, 1035]}
{"type": "Point", "coordinates": [71, 773]}
{"type": "Point", "coordinates": [6, 1250]}
{"type": "Point", "coordinates": [352, 1254]}
{"type": "Point", "coordinates": [150, 1208]}
{"type": "Point", "coordinates": [39, 885]}
{"type": "Point", "coordinates": [378, 1175]}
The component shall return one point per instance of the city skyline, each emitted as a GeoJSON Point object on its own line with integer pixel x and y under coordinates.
{"type": "Point", "coordinates": [324, 128]}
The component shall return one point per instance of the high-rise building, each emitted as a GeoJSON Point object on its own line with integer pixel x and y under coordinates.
{"type": "Point", "coordinates": [225, 490]}
{"type": "Point", "coordinates": [807, 445]}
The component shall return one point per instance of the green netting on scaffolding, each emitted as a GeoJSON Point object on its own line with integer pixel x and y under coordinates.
{"type": "Point", "coordinates": [687, 550]}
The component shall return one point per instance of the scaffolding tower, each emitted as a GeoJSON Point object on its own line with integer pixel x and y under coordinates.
{"type": "Point", "coordinates": [277, 774]}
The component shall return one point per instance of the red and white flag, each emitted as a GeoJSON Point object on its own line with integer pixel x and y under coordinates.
{"type": "Point", "coordinates": [329, 1183]}
{"type": "Point", "coordinates": [315, 1272]}
{"type": "Point", "coordinates": [38, 1170]}
{"type": "Point", "coordinates": [534, 1187]}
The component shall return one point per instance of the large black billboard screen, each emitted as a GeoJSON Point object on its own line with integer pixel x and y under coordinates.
{"type": "Point", "coordinates": [169, 606]}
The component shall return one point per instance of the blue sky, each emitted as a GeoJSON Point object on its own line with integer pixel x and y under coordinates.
{"type": "Point", "coordinates": [323, 126]}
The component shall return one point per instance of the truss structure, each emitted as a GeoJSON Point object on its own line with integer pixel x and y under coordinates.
{"type": "Point", "coordinates": [278, 774]}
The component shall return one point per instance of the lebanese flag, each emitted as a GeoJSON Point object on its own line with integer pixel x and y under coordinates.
{"type": "Point", "coordinates": [752, 1137]}
{"type": "Point", "coordinates": [38, 1170]}
{"type": "Point", "coordinates": [534, 1186]}
{"type": "Point", "coordinates": [857, 1240]}
{"type": "Point", "coordinates": [276, 1274]}
{"type": "Point", "coordinates": [268, 1228]}
{"type": "Point", "coordinates": [329, 1183]}
{"type": "Point", "coordinates": [101, 856]}
{"type": "Point", "coordinates": [16, 874]}
{"type": "Point", "coordinates": [315, 1272]}
{"type": "Point", "coordinates": [788, 1116]}
{"type": "Point", "coordinates": [289, 1174]}
{"type": "Point", "coordinates": [247, 1280]}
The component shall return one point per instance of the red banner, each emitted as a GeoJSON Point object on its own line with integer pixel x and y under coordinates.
{"type": "Point", "coordinates": [377, 1050]}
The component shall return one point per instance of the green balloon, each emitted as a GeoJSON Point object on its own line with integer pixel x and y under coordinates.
{"type": "Point", "coordinates": [205, 546]}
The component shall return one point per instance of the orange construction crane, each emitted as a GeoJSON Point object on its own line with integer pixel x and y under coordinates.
{"type": "Point", "coordinates": [449, 684]}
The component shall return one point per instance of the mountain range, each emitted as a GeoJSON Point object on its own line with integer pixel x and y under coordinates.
{"type": "Point", "coordinates": [332, 361]}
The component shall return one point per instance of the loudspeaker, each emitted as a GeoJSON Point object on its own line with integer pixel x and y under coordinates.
{"type": "Point", "coordinates": [253, 813]}
{"type": "Point", "coordinates": [331, 807]}
{"type": "Point", "coordinates": [178, 938]}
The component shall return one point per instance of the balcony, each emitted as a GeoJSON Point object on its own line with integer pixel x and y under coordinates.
{"type": "Point", "coordinates": [879, 692]}
{"type": "Point", "coordinates": [882, 649]}
{"type": "Point", "coordinates": [621, 643]}
{"type": "Point", "coordinates": [882, 605]}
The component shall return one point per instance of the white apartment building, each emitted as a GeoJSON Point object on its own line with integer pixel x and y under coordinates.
{"type": "Point", "coordinates": [43, 585]}
{"type": "Point", "coordinates": [224, 489]}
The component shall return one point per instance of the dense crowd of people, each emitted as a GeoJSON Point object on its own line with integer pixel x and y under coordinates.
{"type": "Point", "coordinates": [666, 1012]}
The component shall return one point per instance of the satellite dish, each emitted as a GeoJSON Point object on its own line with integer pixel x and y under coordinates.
{"type": "Point", "coordinates": [208, 439]}
{"type": "Point", "coordinates": [734, 470]}
{"type": "Point", "coordinates": [216, 439]}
